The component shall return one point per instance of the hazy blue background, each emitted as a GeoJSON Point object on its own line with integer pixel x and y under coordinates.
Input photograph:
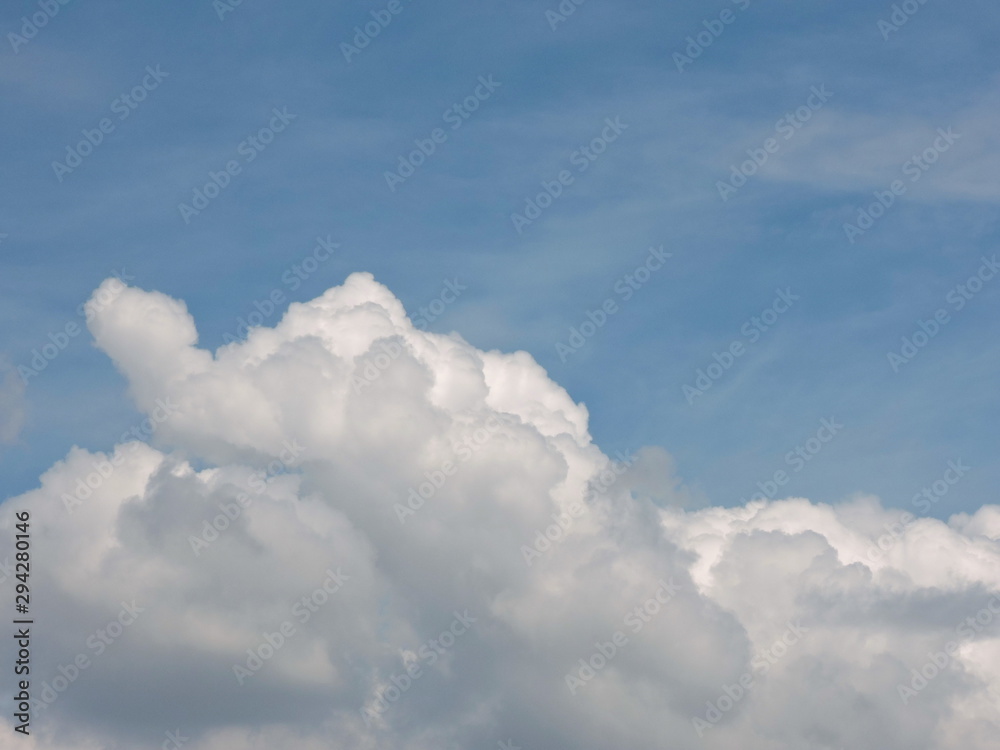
{"type": "Point", "coordinates": [655, 185]}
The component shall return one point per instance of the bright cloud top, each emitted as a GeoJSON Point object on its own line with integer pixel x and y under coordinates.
{"type": "Point", "coordinates": [355, 533]}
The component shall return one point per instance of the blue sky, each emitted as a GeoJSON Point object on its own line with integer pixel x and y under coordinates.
{"type": "Point", "coordinates": [654, 185]}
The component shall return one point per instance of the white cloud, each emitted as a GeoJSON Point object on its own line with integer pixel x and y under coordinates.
{"type": "Point", "coordinates": [789, 596]}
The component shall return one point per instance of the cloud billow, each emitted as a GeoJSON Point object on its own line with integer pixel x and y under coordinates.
{"type": "Point", "coordinates": [758, 628]}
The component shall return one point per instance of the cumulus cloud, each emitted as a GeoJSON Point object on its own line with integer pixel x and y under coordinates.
{"type": "Point", "coordinates": [348, 532]}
